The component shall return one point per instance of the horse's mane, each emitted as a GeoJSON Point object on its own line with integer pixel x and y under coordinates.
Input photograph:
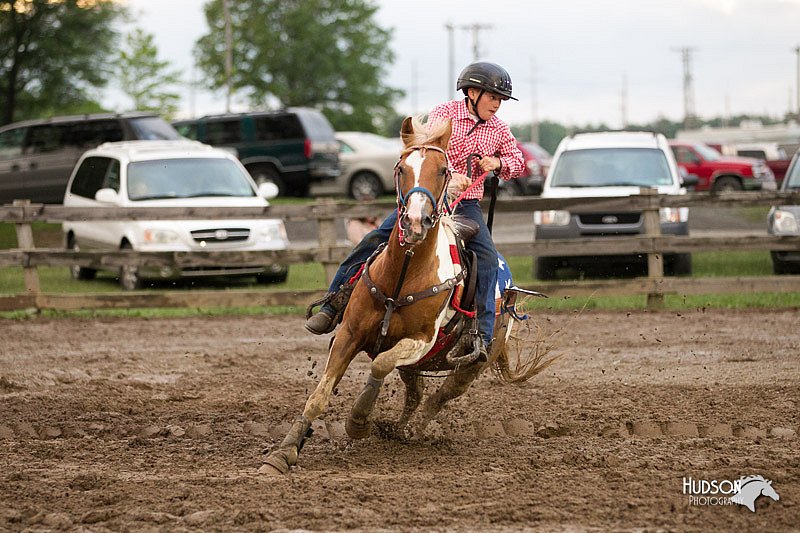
{"type": "Point", "coordinates": [424, 131]}
{"type": "Point", "coordinates": [748, 479]}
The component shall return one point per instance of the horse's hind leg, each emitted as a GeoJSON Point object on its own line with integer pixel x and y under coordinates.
{"type": "Point", "coordinates": [415, 386]}
{"type": "Point", "coordinates": [358, 425]}
{"type": "Point", "coordinates": [454, 386]}
{"type": "Point", "coordinates": [284, 456]}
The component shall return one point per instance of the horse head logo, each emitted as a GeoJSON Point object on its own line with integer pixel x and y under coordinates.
{"type": "Point", "coordinates": [750, 488]}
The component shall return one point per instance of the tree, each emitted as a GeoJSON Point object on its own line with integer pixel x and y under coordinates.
{"type": "Point", "coordinates": [146, 79]}
{"type": "Point", "coordinates": [327, 54]}
{"type": "Point", "coordinates": [52, 54]}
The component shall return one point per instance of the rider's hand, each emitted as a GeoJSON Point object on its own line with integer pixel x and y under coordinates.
{"type": "Point", "coordinates": [489, 163]}
{"type": "Point", "coordinates": [458, 183]}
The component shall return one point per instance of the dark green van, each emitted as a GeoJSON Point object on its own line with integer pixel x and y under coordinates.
{"type": "Point", "coordinates": [292, 148]}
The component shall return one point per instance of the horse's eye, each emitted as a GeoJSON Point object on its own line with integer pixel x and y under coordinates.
{"type": "Point", "coordinates": [443, 171]}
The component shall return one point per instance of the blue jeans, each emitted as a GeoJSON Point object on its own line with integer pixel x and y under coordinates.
{"type": "Point", "coordinates": [481, 244]}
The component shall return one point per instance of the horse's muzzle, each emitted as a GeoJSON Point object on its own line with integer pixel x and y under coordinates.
{"type": "Point", "coordinates": [416, 221]}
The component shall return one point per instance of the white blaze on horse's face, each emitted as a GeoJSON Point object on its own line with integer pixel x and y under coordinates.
{"type": "Point", "coordinates": [418, 206]}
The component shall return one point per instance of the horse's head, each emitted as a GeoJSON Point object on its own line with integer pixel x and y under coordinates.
{"type": "Point", "coordinates": [421, 177]}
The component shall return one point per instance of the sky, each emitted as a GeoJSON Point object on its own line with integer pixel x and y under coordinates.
{"type": "Point", "coordinates": [575, 62]}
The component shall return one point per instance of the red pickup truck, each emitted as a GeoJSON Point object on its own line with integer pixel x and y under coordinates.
{"type": "Point", "coordinates": [773, 155]}
{"type": "Point", "coordinates": [716, 172]}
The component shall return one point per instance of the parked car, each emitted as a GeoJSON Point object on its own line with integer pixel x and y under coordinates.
{"type": "Point", "coordinates": [609, 164]}
{"type": "Point", "coordinates": [537, 162]}
{"type": "Point", "coordinates": [170, 174]}
{"type": "Point", "coordinates": [716, 172]}
{"type": "Point", "coordinates": [785, 220]}
{"type": "Point", "coordinates": [367, 161]}
{"type": "Point", "coordinates": [37, 156]}
{"type": "Point", "coordinates": [292, 148]}
{"type": "Point", "coordinates": [771, 153]}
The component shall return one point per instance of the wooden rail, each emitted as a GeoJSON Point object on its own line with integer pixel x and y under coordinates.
{"type": "Point", "coordinates": [329, 253]}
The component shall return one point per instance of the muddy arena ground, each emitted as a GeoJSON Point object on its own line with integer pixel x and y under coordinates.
{"type": "Point", "coordinates": [162, 425]}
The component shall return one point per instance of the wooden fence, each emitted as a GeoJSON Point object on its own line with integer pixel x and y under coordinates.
{"type": "Point", "coordinates": [329, 253]}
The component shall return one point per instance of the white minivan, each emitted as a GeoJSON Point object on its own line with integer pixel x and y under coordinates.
{"type": "Point", "coordinates": [170, 174]}
{"type": "Point", "coordinates": [610, 164]}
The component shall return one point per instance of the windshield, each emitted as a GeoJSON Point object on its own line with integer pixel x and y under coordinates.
{"type": "Point", "coordinates": [793, 177]}
{"type": "Point", "coordinates": [153, 129]}
{"type": "Point", "coordinates": [186, 178]}
{"type": "Point", "coordinates": [606, 167]}
{"type": "Point", "coordinates": [538, 152]}
{"type": "Point", "coordinates": [707, 153]}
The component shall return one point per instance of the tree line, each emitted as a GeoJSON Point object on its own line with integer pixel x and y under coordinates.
{"type": "Point", "coordinates": [56, 57]}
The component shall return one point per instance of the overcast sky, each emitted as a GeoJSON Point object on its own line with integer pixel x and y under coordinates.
{"type": "Point", "coordinates": [570, 60]}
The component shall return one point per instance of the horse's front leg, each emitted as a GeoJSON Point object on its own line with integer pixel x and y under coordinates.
{"type": "Point", "coordinates": [284, 456]}
{"type": "Point", "coordinates": [357, 425]}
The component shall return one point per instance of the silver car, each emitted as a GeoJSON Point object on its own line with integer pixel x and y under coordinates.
{"type": "Point", "coordinates": [785, 220]}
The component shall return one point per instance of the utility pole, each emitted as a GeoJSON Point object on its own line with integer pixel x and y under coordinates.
{"type": "Point", "coordinates": [689, 115]}
{"type": "Point", "coordinates": [534, 105]}
{"type": "Point", "coordinates": [623, 102]}
{"type": "Point", "coordinates": [797, 51]}
{"type": "Point", "coordinates": [451, 76]}
{"type": "Point", "coordinates": [228, 54]}
{"type": "Point", "coordinates": [476, 28]}
{"type": "Point", "coordinates": [414, 87]}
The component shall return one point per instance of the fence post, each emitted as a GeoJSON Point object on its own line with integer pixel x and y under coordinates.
{"type": "Point", "coordinates": [655, 260]}
{"type": "Point", "coordinates": [25, 242]}
{"type": "Point", "coordinates": [327, 241]}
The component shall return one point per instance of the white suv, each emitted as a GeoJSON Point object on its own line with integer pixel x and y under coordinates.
{"type": "Point", "coordinates": [610, 164]}
{"type": "Point", "coordinates": [170, 174]}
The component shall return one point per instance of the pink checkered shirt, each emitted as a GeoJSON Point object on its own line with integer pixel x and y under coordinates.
{"type": "Point", "coordinates": [492, 138]}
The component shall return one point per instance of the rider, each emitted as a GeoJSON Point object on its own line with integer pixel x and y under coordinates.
{"type": "Point", "coordinates": [476, 128]}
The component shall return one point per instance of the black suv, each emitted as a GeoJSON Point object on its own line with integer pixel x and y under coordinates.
{"type": "Point", "coordinates": [292, 148]}
{"type": "Point", "coordinates": [37, 156]}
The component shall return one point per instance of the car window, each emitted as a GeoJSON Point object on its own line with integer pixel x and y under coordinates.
{"type": "Point", "coordinates": [537, 151]}
{"type": "Point", "coordinates": [223, 132]}
{"type": "Point", "coordinates": [706, 152]}
{"type": "Point", "coordinates": [45, 138]}
{"type": "Point", "coordinates": [90, 176]}
{"type": "Point", "coordinates": [90, 133]}
{"type": "Point", "coordinates": [604, 167]}
{"type": "Point", "coordinates": [345, 148]}
{"type": "Point", "coordinates": [187, 130]}
{"type": "Point", "coordinates": [11, 143]}
{"type": "Point", "coordinates": [275, 127]}
{"type": "Point", "coordinates": [111, 179]}
{"type": "Point", "coordinates": [153, 129]}
{"type": "Point", "coordinates": [685, 155]}
{"type": "Point", "coordinates": [186, 178]}
{"type": "Point", "coordinates": [792, 179]}
{"type": "Point", "coordinates": [317, 126]}
{"type": "Point", "coordinates": [758, 154]}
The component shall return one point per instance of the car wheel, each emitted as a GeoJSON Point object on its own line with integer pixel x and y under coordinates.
{"type": "Point", "coordinates": [680, 265]}
{"type": "Point", "coordinates": [129, 274]}
{"type": "Point", "coordinates": [269, 174]}
{"type": "Point", "coordinates": [77, 271]}
{"type": "Point", "coordinates": [780, 267]}
{"type": "Point", "coordinates": [365, 186]}
{"type": "Point", "coordinates": [272, 276]}
{"type": "Point", "coordinates": [545, 268]}
{"type": "Point", "coordinates": [726, 184]}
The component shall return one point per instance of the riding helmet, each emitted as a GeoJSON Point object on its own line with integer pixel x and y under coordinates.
{"type": "Point", "coordinates": [487, 76]}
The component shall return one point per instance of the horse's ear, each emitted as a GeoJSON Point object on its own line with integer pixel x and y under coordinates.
{"type": "Point", "coordinates": [443, 135]}
{"type": "Point", "coordinates": [407, 131]}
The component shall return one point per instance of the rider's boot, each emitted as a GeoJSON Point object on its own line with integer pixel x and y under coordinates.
{"type": "Point", "coordinates": [330, 314]}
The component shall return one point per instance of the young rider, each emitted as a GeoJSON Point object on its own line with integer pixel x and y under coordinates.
{"type": "Point", "coordinates": [476, 129]}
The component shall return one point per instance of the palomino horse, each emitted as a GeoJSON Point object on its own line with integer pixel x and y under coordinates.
{"type": "Point", "coordinates": [399, 331]}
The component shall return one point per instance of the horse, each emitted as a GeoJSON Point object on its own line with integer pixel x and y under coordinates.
{"type": "Point", "coordinates": [399, 332]}
{"type": "Point", "coordinates": [750, 488]}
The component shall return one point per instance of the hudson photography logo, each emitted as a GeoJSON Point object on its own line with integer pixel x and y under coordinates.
{"type": "Point", "coordinates": [743, 491]}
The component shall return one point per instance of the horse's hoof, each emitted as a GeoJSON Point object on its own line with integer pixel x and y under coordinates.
{"type": "Point", "coordinates": [278, 462]}
{"type": "Point", "coordinates": [268, 469]}
{"type": "Point", "coordinates": [357, 429]}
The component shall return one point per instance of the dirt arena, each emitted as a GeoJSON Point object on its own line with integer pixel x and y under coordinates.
{"type": "Point", "coordinates": [150, 425]}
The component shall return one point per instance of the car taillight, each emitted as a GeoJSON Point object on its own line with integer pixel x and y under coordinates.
{"type": "Point", "coordinates": [308, 148]}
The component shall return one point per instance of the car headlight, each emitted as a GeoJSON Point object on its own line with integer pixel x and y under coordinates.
{"type": "Point", "coordinates": [669, 215]}
{"type": "Point", "coordinates": [160, 236]}
{"type": "Point", "coordinates": [273, 232]}
{"type": "Point", "coordinates": [551, 218]}
{"type": "Point", "coordinates": [784, 222]}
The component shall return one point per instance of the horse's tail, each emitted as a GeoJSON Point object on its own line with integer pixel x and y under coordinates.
{"type": "Point", "coordinates": [521, 350]}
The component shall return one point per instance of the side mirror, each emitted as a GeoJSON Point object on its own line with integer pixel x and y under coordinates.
{"type": "Point", "coordinates": [688, 180]}
{"type": "Point", "coordinates": [107, 196]}
{"type": "Point", "coordinates": [268, 190]}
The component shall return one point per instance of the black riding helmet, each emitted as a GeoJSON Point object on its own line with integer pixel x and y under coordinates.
{"type": "Point", "coordinates": [487, 77]}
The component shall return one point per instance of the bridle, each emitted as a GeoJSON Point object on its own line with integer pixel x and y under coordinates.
{"type": "Point", "coordinates": [439, 206]}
